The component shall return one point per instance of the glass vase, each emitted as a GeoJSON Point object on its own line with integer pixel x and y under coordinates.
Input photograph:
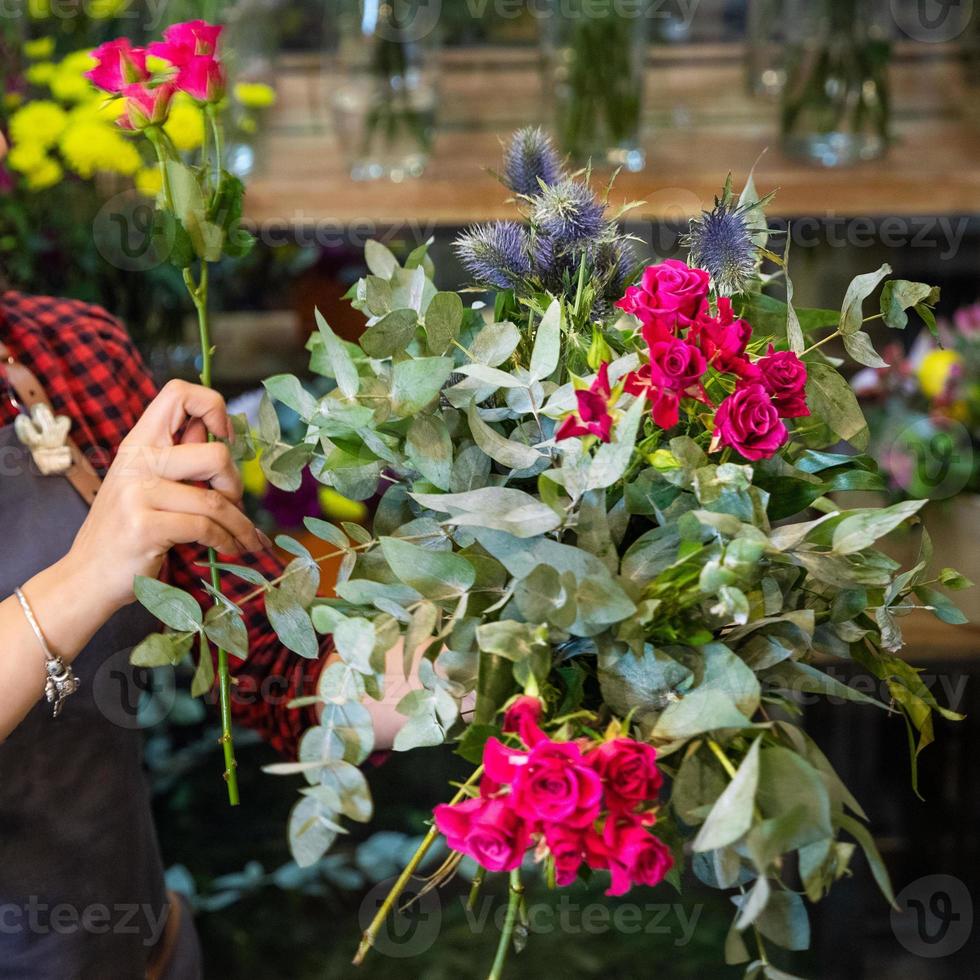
{"type": "Point", "coordinates": [594, 59]}
{"type": "Point", "coordinates": [835, 106]}
{"type": "Point", "coordinates": [384, 94]}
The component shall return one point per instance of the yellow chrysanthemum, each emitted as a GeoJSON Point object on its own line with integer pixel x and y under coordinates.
{"type": "Point", "coordinates": [46, 175]}
{"type": "Point", "coordinates": [253, 479]}
{"type": "Point", "coordinates": [26, 157]}
{"type": "Point", "coordinates": [40, 73]}
{"type": "Point", "coordinates": [91, 147]}
{"type": "Point", "coordinates": [40, 122]}
{"type": "Point", "coordinates": [255, 95]}
{"type": "Point", "coordinates": [339, 508]}
{"type": "Point", "coordinates": [934, 371]}
{"type": "Point", "coordinates": [148, 181]}
{"type": "Point", "coordinates": [69, 83]}
{"type": "Point", "coordinates": [185, 125]}
{"type": "Point", "coordinates": [40, 47]}
{"type": "Point", "coordinates": [100, 109]}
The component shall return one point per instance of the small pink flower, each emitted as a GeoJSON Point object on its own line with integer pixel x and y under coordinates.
{"type": "Point", "coordinates": [675, 370]}
{"type": "Point", "coordinates": [119, 65]}
{"type": "Point", "coordinates": [722, 337]}
{"type": "Point", "coordinates": [592, 417]}
{"type": "Point", "coordinates": [501, 764]}
{"type": "Point", "coordinates": [184, 41]}
{"type": "Point", "coordinates": [629, 852]}
{"type": "Point", "coordinates": [749, 422]}
{"type": "Point", "coordinates": [203, 79]}
{"type": "Point", "coordinates": [669, 293]}
{"type": "Point", "coordinates": [522, 717]}
{"type": "Point", "coordinates": [568, 850]}
{"type": "Point", "coordinates": [783, 375]}
{"type": "Point", "coordinates": [487, 830]}
{"type": "Point", "coordinates": [629, 772]}
{"type": "Point", "coordinates": [145, 106]}
{"type": "Point", "coordinates": [557, 785]}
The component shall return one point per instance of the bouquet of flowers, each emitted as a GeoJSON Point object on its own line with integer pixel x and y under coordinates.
{"type": "Point", "coordinates": [923, 409]}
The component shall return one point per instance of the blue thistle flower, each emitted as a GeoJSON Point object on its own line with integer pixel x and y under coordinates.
{"type": "Point", "coordinates": [529, 158]}
{"type": "Point", "coordinates": [496, 254]}
{"type": "Point", "coordinates": [568, 213]}
{"type": "Point", "coordinates": [720, 242]}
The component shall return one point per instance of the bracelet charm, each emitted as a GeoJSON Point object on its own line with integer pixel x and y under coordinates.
{"type": "Point", "coordinates": [60, 682]}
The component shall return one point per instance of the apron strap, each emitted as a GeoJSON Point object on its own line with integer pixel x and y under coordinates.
{"type": "Point", "coordinates": [81, 474]}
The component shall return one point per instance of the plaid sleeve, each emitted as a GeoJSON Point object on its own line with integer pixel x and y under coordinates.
{"type": "Point", "coordinates": [93, 373]}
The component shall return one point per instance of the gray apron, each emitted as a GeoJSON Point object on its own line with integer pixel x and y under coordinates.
{"type": "Point", "coordinates": [82, 893]}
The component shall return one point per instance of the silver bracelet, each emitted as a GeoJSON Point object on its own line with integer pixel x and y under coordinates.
{"type": "Point", "coordinates": [61, 681]}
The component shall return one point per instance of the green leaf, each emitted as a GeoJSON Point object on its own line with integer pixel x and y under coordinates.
{"type": "Point", "coordinates": [514, 455]}
{"type": "Point", "coordinates": [784, 920]}
{"type": "Point", "coordinates": [799, 678]}
{"type": "Point", "coordinates": [611, 459]}
{"type": "Point", "coordinates": [952, 579]}
{"type": "Point", "coordinates": [161, 650]}
{"type": "Point", "coordinates": [832, 401]}
{"type": "Point", "coordinates": [859, 346]}
{"type": "Point", "coordinates": [703, 710]}
{"type": "Point", "coordinates": [861, 529]}
{"type": "Point", "coordinates": [435, 574]}
{"type": "Point", "coordinates": [417, 382]}
{"type": "Point", "coordinates": [311, 831]}
{"type": "Point", "coordinates": [899, 295]}
{"type": "Point", "coordinates": [340, 361]}
{"type": "Point", "coordinates": [443, 319]}
{"type": "Point", "coordinates": [173, 607]}
{"type": "Point", "coordinates": [429, 446]}
{"type": "Point", "coordinates": [203, 679]}
{"type": "Point", "coordinates": [291, 622]}
{"type": "Point", "coordinates": [509, 639]}
{"type": "Point", "coordinates": [944, 607]}
{"type": "Point", "coordinates": [495, 343]}
{"type": "Point", "coordinates": [642, 684]}
{"type": "Point", "coordinates": [326, 531]}
{"type": "Point", "coordinates": [354, 639]}
{"type": "Point", "coordinates": [419, 632]}
{"type": "Point", "coordinates": [226, 629]}
{"type": "Point", "coordinates": [286, 388]}
{"type": "Point", "coordinates": [860, 833]}
{"type": "Point", "coordinates": [547, 343]}
{"type": "Point", "coordinates": [390, 335]}
{"type": "Point", "coordinates": [852, 313]}
{"type": "Point", "coordinates": [731, 816]}
{"type": "Point", "coordinates": [794, 331]}
{"type": "Point", "coordinates": [502, 508]}
{"type": "Point", "coordinates": [379, 259]}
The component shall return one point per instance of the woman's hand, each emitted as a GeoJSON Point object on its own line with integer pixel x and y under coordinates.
{"type": "Point", "coordinates": [148, 503]}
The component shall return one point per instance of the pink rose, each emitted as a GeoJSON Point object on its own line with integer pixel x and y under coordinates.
{"type": "Point", "coordinates": [486, 830]}
{"type": "Point", "coordinates": [783, 375]}
{"type": "Point", "coordinates": [668, 293]}
{"type": "Point", "coordinates": [631, 854]}
{"type": "Point", "coordinates": [145, 106]}
{"type": "Point", "coordinates": [203, 79]}
{"type": "Point", "coordinates": [567, 849]}
{"type": "Point", "coordinates": [592, 417]}
{"type": "Point", "coordinates": [500, 765]}
{"type": "Point", "coordinates": [748, 421]}
{"type": "Point", "coordinates": [119, 65]}
{"type": "Point", "coordinates": [557, 785]}
{"type": "Point", "coordinates": [629, 772]}
{"type": "Point", "coordinates": [675, 369]}
{"type": "Point", "coordinates": [184, 41]}
{"type": "Point", "coordinates": [522, 717]}
{"type": "Point", "coordinates": [722, 337]}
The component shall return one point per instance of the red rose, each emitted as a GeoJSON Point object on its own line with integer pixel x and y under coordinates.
{"type": "Point", "coordinates": [748, 421]}
{"type": "Point", "coordinates": [557, 785]}
{"type": "Point", "coordinates": [629, 772]}
{"type": "Point", "coordinates": [486, 830]}
{"type": "Point", "coordinates": [722, 337]}
{"type": "Point", "coordinates": [675, 369]}
{"type": "Point", "coordinates": [567, 848]}
{"type": "Point", "coordinates": [592, 417]}
{"type": "Point", "coordinates": [783, 375]}
{"type": "Point", "coordinates": [669, 293]}
{"type": "Point", "coordinates": [500, 765]}
{"type": "Point", "coordinates": [522, 717]}
{"type": "Point", "coordinates": [631, 854]}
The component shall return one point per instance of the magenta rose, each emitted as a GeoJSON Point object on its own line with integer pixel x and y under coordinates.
{"type": "Point", "coordinates": [629, 772]}
{"type": "Point", "coordinates": [630, 853]}
{"type": "Point", "coordinates": [557, 785]}
{"type": "Point", "coordinates": [118, 64]}
{"type": "Point", "coordinates": [783, 375]}
{"type": "Point", "coordinates": [522, 717]}
{"type": "Point", "coordinates": [592, 417]}
{"type": "Point", "coordinates": [722, 337]}
{"type": "Point", "coordinates": [669, 293]}
{"type": "Point", "coordinates": [748, 421]}
{"type": "Point", "coordinates": [567, 849]}
{"type": "Point", "coordinates": [675, 369]}
{"type": "Point", "coordinates": [488, 831]}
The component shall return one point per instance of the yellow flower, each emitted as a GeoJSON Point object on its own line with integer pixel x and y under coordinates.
{"type": "Point", "coordinates": [90, 147]}
{"type": "Point", "coordinates": [40, 73]}
{"type": "Point", "coordinates": [148, 181]}
{"type": "Point", "coordinates": [253, 479]}
{"type": "Point", "coordinates": [41, 47]}
{"type": "Point", "coordinates": [185, 125]}
{"type": "Point", "coordinates": [26, 157]}
{"type": "Point", "coordinates": [255, 95]}
{"type": "Point", "coordinates": [39, 9]}
{"type": "Point", "coordinates": [12, 99]}
{"type": "Point", "coordinates": [104, 9]}
{"type": "Point", "coordinates": [339, 508]}
{"type": "Point", "coordinates": [69, 83]}
{"type": "Point", "coordinates": [41, 122]}
{"type": "Point", "coordinates": [46, 175]}
{"type": "Point", "coordinates": [934, 371]}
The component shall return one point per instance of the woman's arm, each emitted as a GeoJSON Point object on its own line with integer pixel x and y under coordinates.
{"type": "Point", "coordinates": [145, 507]}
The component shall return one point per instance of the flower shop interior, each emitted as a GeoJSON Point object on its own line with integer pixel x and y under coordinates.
{"type": "Point", "coordinates": [371, 135]}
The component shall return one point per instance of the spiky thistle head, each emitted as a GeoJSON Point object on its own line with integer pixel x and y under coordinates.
{"type": "Point", "coordinates": [720, 241]}
{"type": "Point", "coordinates": [495, 255]}
{"type": "Point", "coordinates": [568, 213]}
{"type": "Point", "coordinates": [530, 159]}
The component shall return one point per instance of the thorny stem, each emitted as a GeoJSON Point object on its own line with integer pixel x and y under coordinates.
{"type": "Point", "coordinates": [369, 935]}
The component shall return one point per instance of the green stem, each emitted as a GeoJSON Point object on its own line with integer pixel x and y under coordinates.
{"type": "Point", "coordinates": [218, 149]}
{"type": "Point", "coordinates": [506, 934]}
{"type": "Point", "coordinates": [369, 934]}
{"type": "Point", "coordinates": [820, 343]}
{"type": "Point", "coordinates": [478, 879]}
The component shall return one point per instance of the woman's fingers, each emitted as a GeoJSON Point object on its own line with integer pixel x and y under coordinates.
{"type": "Point", "coordinates": [177, 402]}
{"type": "Point", "coordinates": [194, 529]}
{"type": "Point", "coordinates": [208, 462]}
{"type": "Point", "coordinates": [195, 431]}
{"type": "Point", "coordinates": [180, 498]}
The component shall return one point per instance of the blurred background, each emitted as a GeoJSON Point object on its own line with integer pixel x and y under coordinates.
{"type": "Point", "coordinates": [361, 119]}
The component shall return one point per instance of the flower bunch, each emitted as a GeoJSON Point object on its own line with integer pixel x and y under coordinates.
{"type": "Point", "coordinates": [574, 802]}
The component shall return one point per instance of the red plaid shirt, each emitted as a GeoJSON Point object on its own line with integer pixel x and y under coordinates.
{"type": "Point", "coordinates": [92, 373]}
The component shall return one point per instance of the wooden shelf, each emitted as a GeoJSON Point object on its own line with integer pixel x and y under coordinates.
{"type": "Point", "coordinates": [699, 124]}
